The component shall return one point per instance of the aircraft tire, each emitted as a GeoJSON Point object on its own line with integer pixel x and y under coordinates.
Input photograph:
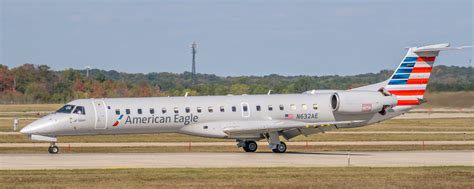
{"type": "Point", "coordinates": [53, 149]}
{"type": "Point", "coordinates": [281, 148]}
{"type": "Point", "coordinates": [250, 146]}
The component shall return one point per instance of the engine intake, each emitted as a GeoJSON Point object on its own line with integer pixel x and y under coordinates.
{"type": "Point", "coordinates": [361, 102]}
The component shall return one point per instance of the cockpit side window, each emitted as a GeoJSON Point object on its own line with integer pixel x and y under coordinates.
{"type": "Point", "coordinates": [66, 109]}
{"type": "Point", "coordinates": [79, 110]}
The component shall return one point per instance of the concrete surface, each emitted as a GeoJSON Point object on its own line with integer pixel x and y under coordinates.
{"type": "Point", "coordinates": [218, 160]}
{"type": "Point", "coordinates": [262, 144]}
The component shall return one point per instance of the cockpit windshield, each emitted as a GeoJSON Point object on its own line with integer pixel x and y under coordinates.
{"type": "Point", "coordinates": [66, 109]}
{"type": "Point", "coordinates": [79, 110]}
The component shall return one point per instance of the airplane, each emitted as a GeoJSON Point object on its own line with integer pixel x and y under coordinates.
{"type": "Point", "coordinates": [247, 118]}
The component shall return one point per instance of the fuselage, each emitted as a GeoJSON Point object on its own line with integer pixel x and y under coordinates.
{"type": "Point", "coordinates": [201, 115]}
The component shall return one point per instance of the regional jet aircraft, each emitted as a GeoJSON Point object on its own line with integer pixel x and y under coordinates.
{"type": "Point", "coordinates": [247, 118]}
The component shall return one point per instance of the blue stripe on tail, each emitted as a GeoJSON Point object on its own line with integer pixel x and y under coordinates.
{"type": "Point", "coordinates": [397, 82]}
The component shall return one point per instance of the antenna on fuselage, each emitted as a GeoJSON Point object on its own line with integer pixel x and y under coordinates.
{"type": "Point", "coordinates": [269, 91]}
{"type": "Point", "coordinates": [186, 95]}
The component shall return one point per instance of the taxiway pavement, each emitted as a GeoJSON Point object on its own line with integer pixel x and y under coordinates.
{"type": "Point", "coordinates": [241, 159]}
{"type": "Point", "coordinates": [185, 144]}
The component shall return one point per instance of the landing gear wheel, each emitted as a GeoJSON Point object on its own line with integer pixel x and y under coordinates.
{"type": "Point", "coordinates": [53, 149]}
{"type": "Point", "coordinates": [280, 148]}
{"type": "Point", "coordinates": [250, 146]}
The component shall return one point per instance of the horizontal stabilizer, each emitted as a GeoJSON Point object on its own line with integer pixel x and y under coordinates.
{"type": "Point", "coordinates": [437, 47]}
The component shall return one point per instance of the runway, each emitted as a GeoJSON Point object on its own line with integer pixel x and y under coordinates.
{"type": "Point", "coordinates": [186, 144]}
{"type": "Point", "coordinates": [221, 160]}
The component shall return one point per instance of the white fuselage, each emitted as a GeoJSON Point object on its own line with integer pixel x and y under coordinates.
{"type": "Point", "coordinates": [207, 116]}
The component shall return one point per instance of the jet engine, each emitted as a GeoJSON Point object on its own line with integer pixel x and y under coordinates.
{"type": "Point", "coordinates": [362, 102]}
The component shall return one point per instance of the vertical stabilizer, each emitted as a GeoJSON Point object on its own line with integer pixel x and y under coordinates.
{"type": "Point", "coordinates": [409, 81]}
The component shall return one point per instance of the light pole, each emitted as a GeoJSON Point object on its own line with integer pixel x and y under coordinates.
{"type": "Point", "coordinates": [87, 71]}
{"type": "Point", "coordinates": [194, 51]}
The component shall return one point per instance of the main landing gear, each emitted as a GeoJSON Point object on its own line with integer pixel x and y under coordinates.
{"type": "Point", "coordinates": [274, 143]}
{"type": "Point", "coordinates": [247, 145]}
{"type": "Point", "coordinates": [250, 146]}
{"type": "Point", "coordinates": [280, 148]}
{"type": "Point", "coordinates": [53, 149]}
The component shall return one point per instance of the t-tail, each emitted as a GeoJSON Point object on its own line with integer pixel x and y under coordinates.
{"type": "Point", "coordinates": [409, 81]}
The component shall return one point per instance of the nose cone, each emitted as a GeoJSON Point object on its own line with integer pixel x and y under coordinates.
{"type": "Point", "coordinates": [27, 130]}
{"type": "Point", "coordinates": [42, 126]}
{"type": "Point", "coordinates": [33, 128]}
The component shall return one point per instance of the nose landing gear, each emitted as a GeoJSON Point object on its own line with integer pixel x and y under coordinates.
{"type": "Point", "coordinates": [53, 149]}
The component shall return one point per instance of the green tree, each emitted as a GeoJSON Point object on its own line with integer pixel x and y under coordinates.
{"type": "Point", "coordinates": [237, 89]}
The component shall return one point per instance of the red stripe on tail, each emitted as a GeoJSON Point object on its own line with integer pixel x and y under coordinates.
{"type": "Point", "coordinates": [407, 92]}
{"type": "Point", "coordinates": [421, 70]}
{"type": "Point", "coordinates": [425, 59]}
{"type": "Point", "coordinates": [407, 102]}
{"type": "Point", "coordinates": [417, 81]}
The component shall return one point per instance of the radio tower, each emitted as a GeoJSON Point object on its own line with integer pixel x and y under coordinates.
{"type": "Point", "coordinates": [194, 51]}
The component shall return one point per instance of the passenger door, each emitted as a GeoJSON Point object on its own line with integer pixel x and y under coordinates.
{"type": "Point", "coordinates": [100, 114]}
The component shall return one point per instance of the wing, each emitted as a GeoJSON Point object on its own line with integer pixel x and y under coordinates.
{"type": "Point", "coordinates": [287, 128]}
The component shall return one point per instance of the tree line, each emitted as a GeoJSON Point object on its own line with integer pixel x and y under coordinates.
{"type": "Point", "coordinates": [31, 83]}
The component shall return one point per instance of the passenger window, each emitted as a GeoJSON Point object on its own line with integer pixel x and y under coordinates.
{"type": "Point", "coordinates": [293, 107]}
{"type": "Point", "coordinates": [176, 110]}
{"type": "Point", "coordinates": [152, 111]}
{"type": "Point", "coordinates": [79, 110]}
{"type": "Point", "coordinates": [187, 109]}
{"type": "Point", "coordinates": [234, 109]}
{"type": "Point", "coordinates": [210, 109]}
{"type": "Point", "coordinates": [270, 108]}
{"type": "Point", "coordinates": [245, 108]}
{"type": "Point", "coordinates": [139, 111]}
{"type": "Point", "coordinates": [127, 111]}
{"type": "Point", "coordinates": [117, 111]}
{"type": "Point", "coordinates": [315, 106]}
{"type": "Point", "coordinates": [258, 108]}
{"type": "Point", "coordinates": [304, 107]}
{"type": "Point", "coordinates": [163, 110]}
{"type": "Point", "coordinates": [282, 107]}
{"type": "Point", "coordinates": [222, 108]}
{"type": "Point", "coordinates": [199, 109]}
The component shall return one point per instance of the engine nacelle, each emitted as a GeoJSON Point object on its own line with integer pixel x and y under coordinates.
{"type": "Point", "coordinates": [361, 102]}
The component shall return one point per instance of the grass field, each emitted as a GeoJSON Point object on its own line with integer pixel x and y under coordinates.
{"type": "Point", "coordinates": [278, 177]}
{"type": "Point", "coordinates": [462, 99]}
{"type": "Point", "coordinates": [29, 107]}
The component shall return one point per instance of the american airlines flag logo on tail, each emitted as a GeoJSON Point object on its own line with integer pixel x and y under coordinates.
{"type": "Point", "coordinates": [409, 81]}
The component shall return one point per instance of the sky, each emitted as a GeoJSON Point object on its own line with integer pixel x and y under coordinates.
{"type": "Point", "coordinates": [234, 38]}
